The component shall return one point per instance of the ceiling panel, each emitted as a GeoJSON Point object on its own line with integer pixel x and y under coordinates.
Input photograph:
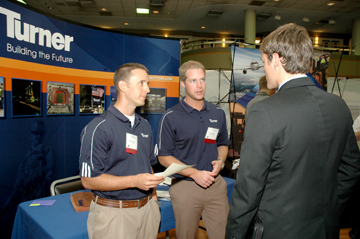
{"type": "Point", "coordinates": [188, 15]}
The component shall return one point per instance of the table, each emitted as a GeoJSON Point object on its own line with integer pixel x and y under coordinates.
{"type": "Point", "coordinates": [61, 221]}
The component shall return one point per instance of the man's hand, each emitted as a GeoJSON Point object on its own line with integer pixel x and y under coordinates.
{"type": "Point", "coordinates": [217, 166]}
{"type": "Point", "coordinates": [145, 181]}
{"type": "Point", "coordinates": [203, 178]}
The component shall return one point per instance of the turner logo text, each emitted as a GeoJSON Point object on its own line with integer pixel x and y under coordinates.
{"type": "Point", "coordinates": [33, 34]}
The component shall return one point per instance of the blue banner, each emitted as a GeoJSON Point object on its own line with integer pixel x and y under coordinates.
{"type": "Point", "coordinates": [32, 37]}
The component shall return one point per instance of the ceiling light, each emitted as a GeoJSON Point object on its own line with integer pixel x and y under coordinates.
{"type": "Point", "coordinates": [155, 11]}
{"type": "Point", "coordinates": [51, 8]}
{"type": "Point", "coordinates": [262, 17]}
{"type": "Point", "coordinates": [142, 10]}
{"type": "Point", "coordinates": [126, 23]}
{"type": "Point", "coordinates": [166, 35]}
{"type": "Point", "coordinates": [214, 13]}
{"type": "Point", "coordinates": [331, 4]}
{"type": "Point", "coordinates": [276, 0]}
{"type": "Point", "coordinates": [277, 17]}
{"type": "Point", "coordinates": [203, 27]}
{"type": "Point", "coordinates": [306, 19]}
{"type": "Point", "coordinates": [103, 9]}
{"type": "Point", "coordinates": [156, 3]}
{"type": "Point", "coordinates": [332, 21]}
{"type": "Point", "coordinates": [257, 41]}
{"type": "Point", "coordinates": [22, 1]}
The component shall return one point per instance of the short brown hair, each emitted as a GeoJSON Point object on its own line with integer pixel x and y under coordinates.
{"type": "Point", "coordinates": [123, 73]}
{"type": "Point", "coordinates": [187, 66]}
{"type": "Point", "coordinates": [293, 45]}
{"type": "Point", "coordinates": [263, 83]}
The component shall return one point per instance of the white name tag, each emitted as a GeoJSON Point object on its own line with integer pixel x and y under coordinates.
{"type": "Point", "coordinates": [211, 135]}
{"type": "Point", "coordinates": [131, 143]}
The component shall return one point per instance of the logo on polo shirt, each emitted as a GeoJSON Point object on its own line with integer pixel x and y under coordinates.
{"type": "Point", "coordinates": [144, 135]}
{"type": "Point", "coordinates": [213, 121]}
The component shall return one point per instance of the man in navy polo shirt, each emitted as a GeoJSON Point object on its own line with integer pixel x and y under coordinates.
{"type": "Point", "coordinates": [194, 132]}
{"type": "Point", "coordinates": [115, 163]}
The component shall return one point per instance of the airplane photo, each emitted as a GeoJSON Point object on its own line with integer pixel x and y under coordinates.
{"type": "Point", "coordinates": [254, 66]}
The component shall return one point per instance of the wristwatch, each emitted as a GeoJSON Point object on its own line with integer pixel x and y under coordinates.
{"type": "Point", "coordinates": [223, 163]}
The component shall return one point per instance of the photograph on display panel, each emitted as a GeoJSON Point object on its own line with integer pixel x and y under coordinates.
{"type": "Point", "coordinates": [113, 94]}
{"type": "Point", "coordinates": [2, 97]}
{"type": "Point", "coordinates": [26, 97]}
{"type": "Point", "coordinates": [92, 99]}
{"type": "Point", "coordinates": [155, 101]}
{"type": "Point", "coordinates": [60, 98]}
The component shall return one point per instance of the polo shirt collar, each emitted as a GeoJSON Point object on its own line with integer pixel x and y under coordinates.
{"type": "Point", "coordinates": [188, 108]}
{"type": "Point", "coordinates": [117, 113]}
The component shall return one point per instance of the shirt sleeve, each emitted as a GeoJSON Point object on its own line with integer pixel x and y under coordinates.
{"type": "Point", "coordinates": [223, 137]}
{"type": "Point", "coordinates": [166, 136]}
{"type": "Point", "coordinates": [152, 156]}
{"type": "Point", "coordinates": [93, 151]}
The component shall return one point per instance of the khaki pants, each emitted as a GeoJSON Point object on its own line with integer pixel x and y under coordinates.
{"type": "Point", "coordinates": [123, 223]}
{"type": "Point", "coordinates": [190, 202]}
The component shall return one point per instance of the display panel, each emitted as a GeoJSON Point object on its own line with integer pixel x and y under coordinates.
{"type": "Point", "coordinates": [92, 99]}
{"type": "Point", "coordinates": [60, 98]}
{"type": "Point", "coordinates": [26, 97]}
{"type": "Point", "coordinates": [155, 101]}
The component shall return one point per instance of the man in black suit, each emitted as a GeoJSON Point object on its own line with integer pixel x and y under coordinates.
{"type": "Point", "coordinates": [299, 159]}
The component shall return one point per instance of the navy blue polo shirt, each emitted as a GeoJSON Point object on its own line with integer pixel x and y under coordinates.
{"type": "Point", "coordinates": [103, 151]}
{"type": "Point", "coordinates": [182, 131]}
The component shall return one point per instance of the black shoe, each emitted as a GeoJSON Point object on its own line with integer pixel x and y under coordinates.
{"type": "Point", "coordinates": [354, 234]}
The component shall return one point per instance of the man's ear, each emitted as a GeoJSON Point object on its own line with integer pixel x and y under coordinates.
{"type": "Point", "coordinates": [182, 84]}
{"type": "Point", "coordinates": [122, 85]}
{"type": "Point", "coordinates": [276, 59]}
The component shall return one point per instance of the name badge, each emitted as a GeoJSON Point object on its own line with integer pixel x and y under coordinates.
{"type": "Point", "coordinates": [131, 143]}
{"type": "Point", "coordinates": [211, 135]}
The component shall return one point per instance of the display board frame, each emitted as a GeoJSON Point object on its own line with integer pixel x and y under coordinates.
{"type": "Point", "coordinates": [60, 98]}
{"type": "Point", "coordinates": [26, 100]}
{"type": "Point", "coordinates": [155, 102]}
{"type": "Point", "coordinates": [89, 96]}
{"type": "Point", "coordinates": [2, 97]}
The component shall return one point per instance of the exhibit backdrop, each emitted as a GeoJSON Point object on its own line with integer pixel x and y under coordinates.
{"type": "Point", "coordinates": [44, 62]}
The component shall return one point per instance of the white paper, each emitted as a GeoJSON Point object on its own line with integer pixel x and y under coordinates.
{"type": "Point", "coordinates": [166, 182]}
{"type": "Point", "coordinates": [172, 169]}
{"type": "Point", "coordinates": [162, 194]}
{"type": "Point", "coordinates": [236, 164]}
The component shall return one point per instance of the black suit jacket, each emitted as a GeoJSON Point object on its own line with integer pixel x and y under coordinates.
{"type": "Point", "coordinates": [299, 163]}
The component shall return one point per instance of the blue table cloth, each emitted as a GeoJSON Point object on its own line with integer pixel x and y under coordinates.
{"type": "Point", "coordinates": [61, 221]}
